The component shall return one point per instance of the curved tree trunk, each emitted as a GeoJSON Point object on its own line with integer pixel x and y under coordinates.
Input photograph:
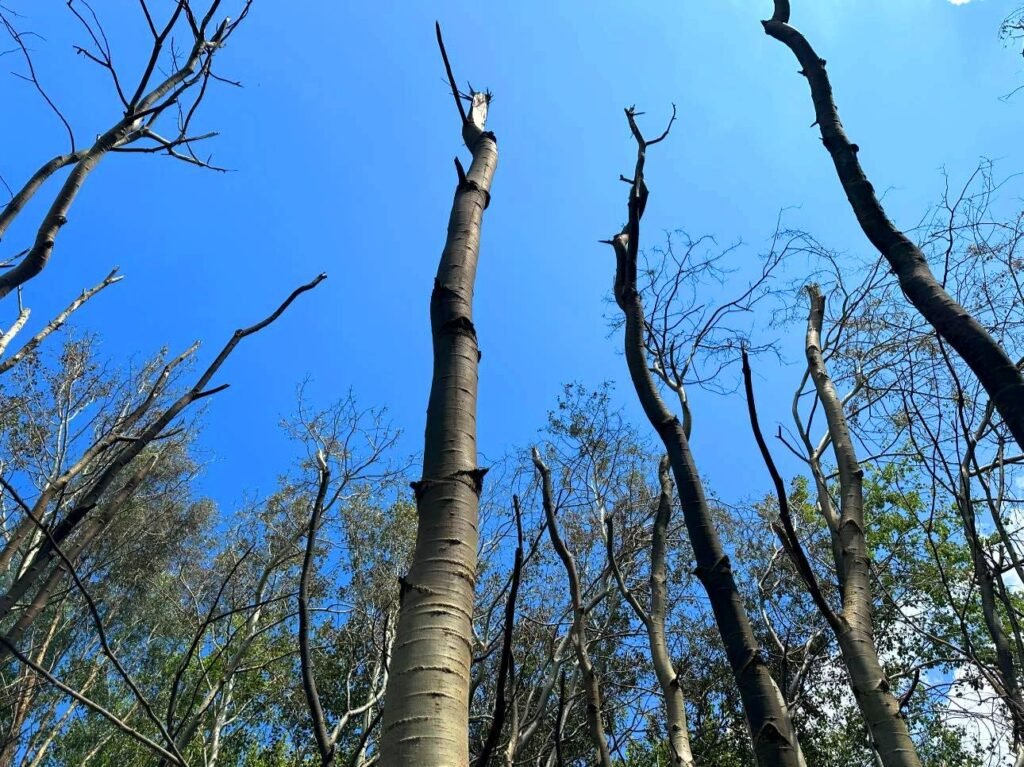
{"type": "Point", "coordinates": [774, 738]}
{"type": "Point", "coordinates": [425, 713]}
{"type": "Point", "coordinates": [982, 353]}
{"type": "Point", "coordinates": [675, 701]}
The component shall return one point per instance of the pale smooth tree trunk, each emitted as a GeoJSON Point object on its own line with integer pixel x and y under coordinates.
{"type": "Point", "coordinates": [220, 721]}
{"type": "Point", "coordinates": [579, 631]}
{"type": "Point", "coordinates": [653, 619]}
{"type": "Point", "coordinates": [426, 720]}
{"type": "Point", "coordinates": [988, 360]}
{"type": "Point", "coordinates": [854, 628]}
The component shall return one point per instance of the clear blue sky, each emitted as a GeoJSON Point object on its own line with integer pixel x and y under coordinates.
{"type": "Point", "coordinates": [343, 139]}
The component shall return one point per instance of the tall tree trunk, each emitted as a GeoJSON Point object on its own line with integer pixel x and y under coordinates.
{"type": "Point", "coordinates": [427, 700]}
{"type": "Point", "coordinates": [774, 738]}
{"type": "Point", "coordinates": [854, 628]}
{"type": "Point", "coordinates": [983, 354]}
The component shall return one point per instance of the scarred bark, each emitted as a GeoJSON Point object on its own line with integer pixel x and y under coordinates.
{"type": "Point", "coordinates": [425, 715]}
{"type": "Point", "coordinates": [983, 354]}
{"type": "Point", "coordinates": [854, 628]}
{"type": "Point", "coordinates": [774, 739]}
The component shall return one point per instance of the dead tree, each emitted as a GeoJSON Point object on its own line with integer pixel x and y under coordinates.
{"type": "Point", "coordinates": [169, 92]}
{"type": "Point", "coordinates": [771, 728]}
{"type": "Point", "coordinates": [425, 715]}
{"type": "Point", "coordinates": [578, 632]}
{"type": "Point", "coordinates": [653, 618]}
{"type": "Point", "coordinates": [853, 626]}
{"type": "Point", "coordinates": [984, 355]}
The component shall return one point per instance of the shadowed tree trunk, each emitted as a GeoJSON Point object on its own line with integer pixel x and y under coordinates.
{"type": "Point", "coordinates": [774, 739]}
{"type": "Point", "coordinates": [427, 700]}
{"type": "Point", "coordinates": [982, 353]}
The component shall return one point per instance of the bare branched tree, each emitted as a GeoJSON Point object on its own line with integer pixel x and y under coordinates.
{"type": "Point", "coordinates": [654, 619]}
{"type": "Point", "coordinates": [853, 626]}
{"type": "Point", "coordinates": [771, 729]}
{"type": "Point", "coordinates": [579, 631]}
{"type": "Point", "coordinates": [160, 109]}
{"type": "Point", "coordinates": [691, 338]}
{"type": "Point", "coordinates": [968, 337]}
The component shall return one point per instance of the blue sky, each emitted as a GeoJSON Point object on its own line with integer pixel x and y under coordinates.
{"type": "Point", "coordinates": [342, 143]}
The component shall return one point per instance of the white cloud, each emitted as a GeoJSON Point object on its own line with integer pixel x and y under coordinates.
{"type": "Point", "coordinates": [977, 710]}
{"type": "Point", "coordinates": [959, 2]}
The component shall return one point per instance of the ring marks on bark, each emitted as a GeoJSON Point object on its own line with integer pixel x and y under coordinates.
{"type": "Point", "coordinates": [467, 185]}
{"type": "Point", "coordinates": [472, 478]}
{"type": "Point", "coordinates": [460, 326]}
{"type": "Point", "coordinates": [722, 566]}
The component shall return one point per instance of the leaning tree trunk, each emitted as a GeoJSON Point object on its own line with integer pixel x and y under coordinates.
{"type": "Point", "coordinates": [774, 739]}
{"type": "Point", "coordinates": [853, 628]}
{"type": "Point", "coordinates": [982, 353]}
{"type": "Point", "coordinates": [427, 700]}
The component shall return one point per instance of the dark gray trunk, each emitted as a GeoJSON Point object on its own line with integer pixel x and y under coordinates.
{"type": "Point", "coordinates": [771, 729]}
{"type": "Point", "coordinates": [982, 353]}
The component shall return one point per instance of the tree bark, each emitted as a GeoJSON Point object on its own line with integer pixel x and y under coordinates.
{"type": "Point", "coordinates": [653, 619]}
{"type": "Point", "coordinates": [982, 353]}
{"type": "Point", "coordinates": [854, 627]}
{"type": "Point", "coordinates": [425, 713]}
{"type": "Point", "coordinates": [774, 739]}
{"type": "Point", "coordinates": [578, 632]}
